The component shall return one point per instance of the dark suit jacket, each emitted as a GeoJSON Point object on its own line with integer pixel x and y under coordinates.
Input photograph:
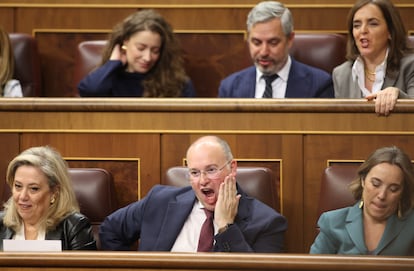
{"type": "Point", "coordinates": [75, 231]}
{"type": "Point", "coordinates": [157, 219]}
{"type": "Point", "coordinates": [346, 87]}
{"type": "Point", "coordinates": [303, 82]}
{"type": "Point", "coordinates": [342, 232]}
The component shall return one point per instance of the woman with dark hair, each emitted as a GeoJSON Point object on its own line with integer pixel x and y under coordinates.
{"type": "Point", "coordinates": [380, 63]}
{"type": "Point", "coordinates": [142, 59]}
{"type": "Point", "coordinates": [382, 220]}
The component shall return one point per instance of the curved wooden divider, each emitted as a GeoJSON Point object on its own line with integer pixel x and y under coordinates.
{"type": "Point", "coordinates": [205, 261]}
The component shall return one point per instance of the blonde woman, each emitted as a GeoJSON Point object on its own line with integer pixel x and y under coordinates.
{"type": "Point", "coordinates": [9, 87]}
{"type": "Point", "coordinates": [43, 205]}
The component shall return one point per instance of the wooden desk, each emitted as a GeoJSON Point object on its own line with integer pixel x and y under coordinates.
{"type": "Point", "coordinates": [68, 261]}
{"type": "Point", "coordinates": [139, 139]}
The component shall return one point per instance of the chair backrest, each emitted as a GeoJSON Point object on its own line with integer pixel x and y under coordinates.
{"type": "Point", "coordinates": [334, 192]}
{"type": "Point", "coordinates": [411, 41]}
{"type": "Point", "coordinates": [27, 63]}
{"type": "Point", "coordinates": [257, 182]}
{"type": "Point", "coordinates": [321, 50]}
{"type": "Point", "coordinates": [94, 189]}
{"type": "Point", "coordinates": [89, 55]}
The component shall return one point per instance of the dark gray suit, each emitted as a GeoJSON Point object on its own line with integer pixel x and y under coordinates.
{"type": "Point", "coordinates": [346, 87]}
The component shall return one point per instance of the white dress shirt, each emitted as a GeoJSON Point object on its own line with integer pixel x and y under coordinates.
{"type": "Point", "coordinates": [187, 239]}
{"type": "Point", "coordinates": [278, 86]}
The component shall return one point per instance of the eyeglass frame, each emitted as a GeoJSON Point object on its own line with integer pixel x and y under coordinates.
{"type": "Point", "coordinates": [205, 173]}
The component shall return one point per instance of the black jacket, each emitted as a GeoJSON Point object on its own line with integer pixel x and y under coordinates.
{"type": "Point", "coordinates": [75, 231]}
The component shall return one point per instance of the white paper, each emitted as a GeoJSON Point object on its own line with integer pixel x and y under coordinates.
{"type": "Point", "coordinates": [32, 245]}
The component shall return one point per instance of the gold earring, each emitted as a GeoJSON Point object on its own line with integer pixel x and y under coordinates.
{"type": "Point", "coordinates": [361, 204]}
{"type": "Point", "coordinates": [123, 47]}
{"type": "Point", "coordinates": [52, 200]}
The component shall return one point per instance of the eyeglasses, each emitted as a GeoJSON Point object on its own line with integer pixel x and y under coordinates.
{"type": "Point", "coordinates": [212, 172]}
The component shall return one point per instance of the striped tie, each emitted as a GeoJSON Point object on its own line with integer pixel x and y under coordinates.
{"type": "Point", "coordinates": [268, 90]}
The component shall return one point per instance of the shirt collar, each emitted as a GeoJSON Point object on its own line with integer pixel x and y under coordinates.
{"type": "Point", "coordinates": [283, 73]}
{"type": "Point", "coordinates": [358, 67]}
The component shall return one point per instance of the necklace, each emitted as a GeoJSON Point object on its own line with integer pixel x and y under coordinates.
{"type": "Point", "coordinates": [370, 79]}
{"type": "Point", "coordinates": [370, 72]}
{"type": "Point", "coordinates": [370, 76]}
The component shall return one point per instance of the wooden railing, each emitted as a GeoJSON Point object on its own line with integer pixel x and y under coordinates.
{"type": "Point", "coordinates": [137, 140]}
{"type": "Point", "coordinates": [214, 27]}
{"type": "Point", "coordinates": [68, 261]}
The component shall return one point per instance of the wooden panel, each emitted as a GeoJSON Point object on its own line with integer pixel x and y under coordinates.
{"type": "Point", "coordinates": [314, 17]}
{"type": "Point", "coordinates": [125, 172]}
{"type": "Point", "coordinates": [9, 146]}
{"type": "Point", "coordinates": [294, 137]}
{"type": "Point", "coordinates": [7, 19]}
{"type": "Point", "coordinates": [208, 57]}
{"type": "Point", "coordinates": [58, 53]}
{"type": "Point", "coordinates": [215, 22]}
{"type": "Point", "coordinates": [75, 260]}
{"type": "Point", "coordinates": [185, 2]}
{"type": "Point", "coordinates": [66, 18]}
{"type": "Point", "coordinates": [131, 158]}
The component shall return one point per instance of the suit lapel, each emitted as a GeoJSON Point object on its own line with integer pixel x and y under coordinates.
{"type": "Point", "coordinates": [244, 211]}
{"type": "Point", "coordinates": [354, 85]}
{"type": "Point", "coordinates": [178, 211]}
{"type": "Point", "coordinates": [389, 82]}
{"type": "Point", "coordinates": [355, 228]}
{"type": "Point", "coordinates": [392, 230]}
{"type": "Point", "coordinates": [249, 83]}
{"type": "Point", "coordinates": [176, 215]}
{"type": "Point", "coordinates": [296, 81]}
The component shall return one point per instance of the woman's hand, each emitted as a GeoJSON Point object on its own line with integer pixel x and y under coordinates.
{"type": "Point", "coordinates": [385, 100]}
{"type": "Point", "coordinates": [119, 53]}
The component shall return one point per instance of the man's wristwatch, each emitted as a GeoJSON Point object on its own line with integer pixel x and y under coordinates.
{"type": "Point", "coordinates": [223, 229]}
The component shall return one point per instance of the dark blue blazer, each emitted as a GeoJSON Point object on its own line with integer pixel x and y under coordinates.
{"type": "Point", "coordinates": [303, 82]}
{"type": "Point", "coordinates": [111, 80]}
{"type": "Point", "coordinates": [157, 219]}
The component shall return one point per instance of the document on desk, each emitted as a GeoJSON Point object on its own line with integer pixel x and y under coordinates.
{"type": "Point", "coordinates": [32, 245]}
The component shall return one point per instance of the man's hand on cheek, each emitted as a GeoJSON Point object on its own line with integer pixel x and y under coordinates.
{"type": "Point", "coordinates": [227, 202]}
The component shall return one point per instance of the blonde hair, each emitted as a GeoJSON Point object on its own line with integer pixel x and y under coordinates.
{"type": "Point", "coordinates": [50, 162]}
{"type": "Point", "coordinates": [6, 60]}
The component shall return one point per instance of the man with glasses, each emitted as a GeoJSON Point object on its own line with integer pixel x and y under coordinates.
{"type": "Point", "coordinates": [175, 219]}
